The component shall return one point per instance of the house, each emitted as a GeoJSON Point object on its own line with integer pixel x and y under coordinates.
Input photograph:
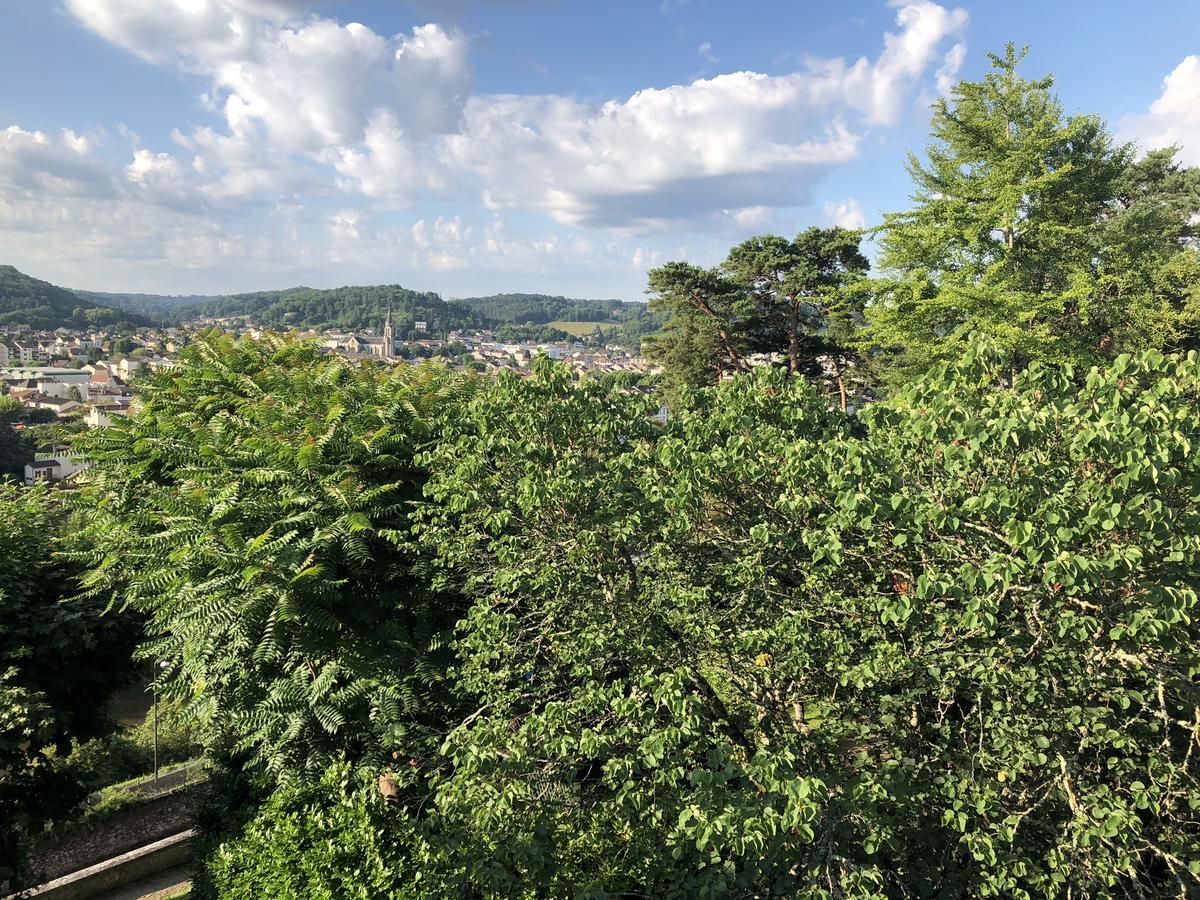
{"type": "Point", "coordinates": [51, 468]}
{"type": "Point", "coordinates": [102, 416]}
{"type": "Point", "coordinates": [24, 352]}
{"type": "Point", "coordinates": [61, 407]}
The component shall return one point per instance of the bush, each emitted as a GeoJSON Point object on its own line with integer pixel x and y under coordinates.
{"type": "Point", "coordinates": [946, 650]}
{"type": "Point", "coordinates": [129, 753]}
{"type": "Point", "coordinates": [331, 839]}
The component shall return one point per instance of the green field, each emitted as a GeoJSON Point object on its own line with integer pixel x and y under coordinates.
{"type": "Point", "coordinates": [579, 329]}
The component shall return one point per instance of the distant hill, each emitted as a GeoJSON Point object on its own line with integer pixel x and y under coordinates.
{"type": "Point", "coordinates": [353, 308]}
{"type": "Point", "coordinates": [153, 305]}
{"type": "Point", "coordinates": [623, 322]}
{"type": "Point", "coordinates": [540, 309]}
{"type": "Point", "coordinates": [42, 305]}
{"type": "Point", "coordinates": [39, 304]}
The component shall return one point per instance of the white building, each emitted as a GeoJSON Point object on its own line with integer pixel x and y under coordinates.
{"type": "Point", "coordinates": [52, 468]}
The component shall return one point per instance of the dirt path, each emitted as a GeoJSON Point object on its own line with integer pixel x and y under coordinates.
{"type": "Point", "coordinates": [170, 883]}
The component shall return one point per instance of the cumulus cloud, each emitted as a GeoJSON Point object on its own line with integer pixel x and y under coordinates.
{"type": "Point", "coordinates": [1173, 118]}
{"type": "Point", "coordinates": [32, 161]}
{"type": "Point", "coordinates": [164, 30]}
{"type": "Point", "coordinates": [395, 120]}
{"type": "Point", "coordinates": [309, 109]}
{"type": "Point", "coordinates": [846, 213]}
{"type": "Point", "coordinates": [664, 154]}
{"type": "Point", "coordinates": [687, 152]}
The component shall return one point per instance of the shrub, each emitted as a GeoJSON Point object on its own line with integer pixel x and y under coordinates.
{"type": "Point", "coordinates": [947, 650]}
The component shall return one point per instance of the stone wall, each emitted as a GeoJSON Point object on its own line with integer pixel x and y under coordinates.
{"type": "Point", "coordinates": [149, 820]}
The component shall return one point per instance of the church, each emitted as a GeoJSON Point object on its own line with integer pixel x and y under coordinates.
{"type": "Point", "coordinates": [383, 347]}
{"type": "Point", "coordinates": [387, 345]}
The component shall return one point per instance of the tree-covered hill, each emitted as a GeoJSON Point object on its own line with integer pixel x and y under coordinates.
{"type": "Point", "coordinates": [634, 319]}
{"type": "Point", "coordinates": [153, 305]}
{"type": "Point", "coordinates": [539, 309]}
{"type": "Point", "coordinates": [350, 308]}
{"type": "Point", "coordinates": [41, 305]}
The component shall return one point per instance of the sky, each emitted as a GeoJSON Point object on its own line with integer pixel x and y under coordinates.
{"type": "Point", "coordinates": [483, 146]}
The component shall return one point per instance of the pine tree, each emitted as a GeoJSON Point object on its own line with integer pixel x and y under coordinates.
{"type": "Point", "coordinates": [1004, 226]}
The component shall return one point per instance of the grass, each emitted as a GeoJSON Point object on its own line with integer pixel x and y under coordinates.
{"type": "Point", "coordinates": [580, 329]}
{"type": "Point", "coordinates": [111, 801]}
{"type": "Point", "coordinates": [117, 788]}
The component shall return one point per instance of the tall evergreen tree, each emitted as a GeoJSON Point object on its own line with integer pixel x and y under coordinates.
{"type": "Point", "coordinates": [710, 322]}
{"type": "Point", "coordinates": [1025, 224]}
{"type": "Point", "coordinates": [802, 289]}
{"type": "Point", "coordinates": [770, 295]}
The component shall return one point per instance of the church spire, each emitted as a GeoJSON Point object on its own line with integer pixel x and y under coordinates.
{"type": "Point", "coordinates": [389, 339]}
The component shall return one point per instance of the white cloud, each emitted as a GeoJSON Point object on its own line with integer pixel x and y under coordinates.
{"type": "Point", "coordinates": [309, 109]}
{"type": "Point", "coordinates": [846, 213]}
{"type": "Point", "coordinates": [706, 53]}
{"type": "Point", "coordinates": [165, 30]}
{"type": "Point", "coordinates": [393, 117]}
{"type": "Point", "coordinates": [1174, 118]}
{"type": "Point", "coordinates": [36, 162]}
{"type": "Point", "coordinates": [952, 62]}
{"type": "Point", "coordinates": [682, 153]}
{"type": "Point", "coordinates": [662, 155]}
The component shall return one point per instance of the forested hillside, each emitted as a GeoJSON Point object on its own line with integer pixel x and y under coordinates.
{"type": "Point", "coordinates": [41, 305]}
{"type": "Point", "coordinates": [155, 306]}
{"type": "Point", "coordinates": [349, 308]}
{"type": "Point", "coordinates": [540, 309]}
{"type": "Point", "coordinates": [621, 321]}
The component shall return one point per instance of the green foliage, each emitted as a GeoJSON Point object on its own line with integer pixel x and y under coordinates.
{"type": "Point", "coordinates": [802, 286]}
{"type": "Point", "coordinates": [349, 308]}
{"type": "Point", "coordinates": [129, 753]}
{"type": "Point", "coordinates": [763, 651]}
{"type": "Point", "coordinates": [802, 298]}
{"type": "Point", "coordinates": [41, 305]}
{"type": "Point", "coordinates": [15, 452]}
{"type": "Point", "coordinates": [1034, 228]}
{"type": "Point", "coordinates": [944, 648]}
{"type": "Point", "coordinates": [711, 324]}
{"type": "Point", "coordinates": [327, 839]}
{"type": "Point", "coordinates": [59, 663]}
{"type": "Point", "coordinates": [11, 409]}
{"type": "Point", "coordinates": [255, 507]}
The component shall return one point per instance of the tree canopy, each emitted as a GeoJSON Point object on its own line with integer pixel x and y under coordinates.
{"type": "Point", "coordinates": [765, 648]}
{"type": "Point", "coordinates": [800, 298]}
{"type": "Point", "coordinates": [254, 509]}
{"type": "Point", "coordinates": [1035, 228]}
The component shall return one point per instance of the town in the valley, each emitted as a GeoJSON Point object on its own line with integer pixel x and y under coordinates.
{"type": "Point", "coordinates": [81, 379]}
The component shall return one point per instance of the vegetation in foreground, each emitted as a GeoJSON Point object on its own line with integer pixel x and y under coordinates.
{"type": "Point", "coordinates": [454, 637]}
{"type": "Point", "coordinates": [764, 649]}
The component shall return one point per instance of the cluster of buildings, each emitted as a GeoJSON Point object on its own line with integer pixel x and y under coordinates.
{"type": "Point", "coordinates": [85, 378]}
{"type": "Point", "coordinates": [477, 349]}
{"type": "Point", "coordinates": [79, 378]}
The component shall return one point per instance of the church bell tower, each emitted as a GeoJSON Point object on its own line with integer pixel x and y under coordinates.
{"type": "Point", "coordinates": [389, 338]}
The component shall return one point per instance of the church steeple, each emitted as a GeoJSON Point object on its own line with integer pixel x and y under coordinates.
{"type": "Point", "coordinates": [389, 339]}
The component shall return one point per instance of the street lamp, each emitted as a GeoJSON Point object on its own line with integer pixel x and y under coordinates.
{"type": "Point", "coordinates": [162, 664]}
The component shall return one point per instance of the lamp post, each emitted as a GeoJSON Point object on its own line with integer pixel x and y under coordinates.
{"type": "Point", "coordinates": [154, 713]}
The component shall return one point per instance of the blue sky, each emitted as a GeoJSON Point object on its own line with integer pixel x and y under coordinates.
{"type": "Point", "coordinates": [188, 146]}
